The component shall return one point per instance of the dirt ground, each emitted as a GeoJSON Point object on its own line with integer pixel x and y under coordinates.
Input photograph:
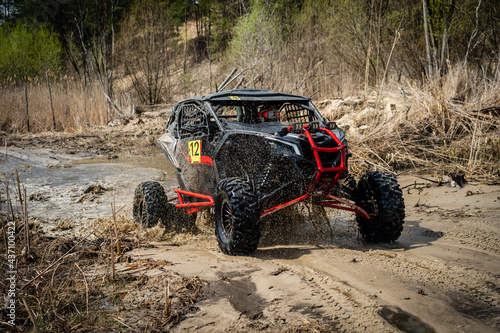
{"type": "Point", "coordinates": [442, 275]}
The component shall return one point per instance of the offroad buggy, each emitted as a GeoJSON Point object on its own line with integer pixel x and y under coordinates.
{"type": "Point", "coordinates": [249, 153]}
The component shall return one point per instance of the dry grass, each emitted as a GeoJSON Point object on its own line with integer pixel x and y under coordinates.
{"type": "Point", "coordinates": [77, 284]}
{"type": "Point", "coordinates": [75, 105]}
{"type": "Point", "coordinates": [74, 285]}
{"type": "Point", "coordinates": [77, 292]}
{"type": "Point", "coordinates": [450, 123]}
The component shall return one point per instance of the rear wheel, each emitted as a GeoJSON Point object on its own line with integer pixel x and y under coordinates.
{"type": "Point", "coordinates": [379, 194]}
{"type": "Point", "coordinates": [149, 204]}
{"type": "Point", "coordinates": [236, 217]}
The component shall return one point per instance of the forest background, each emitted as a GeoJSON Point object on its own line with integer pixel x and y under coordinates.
{"type": "Point", "coordinates": [425, 74]}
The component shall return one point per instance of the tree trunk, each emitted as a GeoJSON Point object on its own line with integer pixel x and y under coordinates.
{"type": "Point", "coordinates": [186, 37]}
{"type": "Point", "coordinates": [444, 46]}
{"type": "Point", "coordinates": [112, 58]}
{"type": "Point", "coordinates": [427, 41]}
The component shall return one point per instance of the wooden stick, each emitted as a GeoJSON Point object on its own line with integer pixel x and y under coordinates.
{"type": "Point", "coordinates": [112, 249]}
{"type": "Point", "coordinates": [86, 287]}
{"type": "Point", "coordinates": [113, 272]}
{"type": "Point", "coordinates": [32, 316]}
{"type": "Point", "coordinates": [26, 226]}
{"type": "Point", "coordinates": [9, 202]}
{"type": "Point", "coordinates": [27, 108]}
{"type": "Point", "coordinates": [121, 322]}
{"type": "Point", "coordinates": [439, 182]}
{"type": "Point", "coordinates": [222, 85]}
{"type": "Point", "coordinates": [118, 243]}
{"type": "Point", "coordinates": [3, 225]}
{"type": "Point", "coordinates": [239, 83]}
{"type": "Point", "coordinates": [19, 188]}
{"type": "Point", "coordinates": [168, 305]}
{"type": "Point", "coordinates": [51, 106]}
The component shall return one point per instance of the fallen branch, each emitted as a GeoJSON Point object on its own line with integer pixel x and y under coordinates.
{"type": "Point", "coordinates": [223, 84]}
{"type": "Point", "coordinates": [168, 306]}
{"type": "Point", "coordinates": [439, 182]}
{"type": "Point", "coordinates": [234, 78]}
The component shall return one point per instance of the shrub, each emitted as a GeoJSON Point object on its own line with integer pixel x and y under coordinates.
{"type": "Point", "coordinates": [28, 51]}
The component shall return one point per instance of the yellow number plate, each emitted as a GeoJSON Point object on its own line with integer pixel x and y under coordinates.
{"type": "Point", "coordinates": [195, 151]}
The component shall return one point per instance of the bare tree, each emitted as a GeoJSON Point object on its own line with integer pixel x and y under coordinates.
{"type": "Point", "coordinates": [427, 39]}
{"type": "Point", "coordinates": [147, 45]}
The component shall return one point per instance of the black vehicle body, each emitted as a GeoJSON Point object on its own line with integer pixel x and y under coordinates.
{"type": "Point", "coordinates": [232, 145]}
{"type": "Point", "coordinates": [249, 153]}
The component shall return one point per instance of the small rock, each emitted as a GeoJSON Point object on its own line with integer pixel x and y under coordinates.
{"type": "Point", "coordinates": [97, 189]}
{"type": "Point", "coordinates": [422, 292]}
{"type": "Point", "coordinates": [457, 178]}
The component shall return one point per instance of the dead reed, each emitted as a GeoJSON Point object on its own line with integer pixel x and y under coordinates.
{"type": "Point", "coordinates": [445, 123]}
{"type": "Point", "coordinates": [69, 104]}
{"type": "Point", "coordinates": [53, 298]}
{"type": "Point", "coordinates": [449, 123]}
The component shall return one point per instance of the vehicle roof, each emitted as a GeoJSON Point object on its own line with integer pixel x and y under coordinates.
{"type": "Point", "coordinates": [249, 95]}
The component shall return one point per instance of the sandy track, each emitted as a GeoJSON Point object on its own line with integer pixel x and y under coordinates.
{"type": "Point", "coordinates": [444, 271]}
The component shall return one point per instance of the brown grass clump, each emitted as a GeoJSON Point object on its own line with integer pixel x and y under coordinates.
{"type": "Point", "coordinates": [450, 123]}
{"type": "Point", "coordinates": [77, 285]}
{"type": "Point", "coordinates": [73, 284]}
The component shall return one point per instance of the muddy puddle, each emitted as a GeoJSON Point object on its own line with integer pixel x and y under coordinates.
{"type": "Point", "coordinates": [405, 321]}
{"type": "Point", "coordinates": [68, 187]}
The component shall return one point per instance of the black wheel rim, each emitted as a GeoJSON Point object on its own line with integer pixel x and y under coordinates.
{"type": "Point", "coordinates": [227, 219]}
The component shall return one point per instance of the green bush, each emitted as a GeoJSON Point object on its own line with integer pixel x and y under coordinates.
{"type": "Point", "coordinates": [257, 39]}
{"type": "Point", "coordinates": [28, 52]}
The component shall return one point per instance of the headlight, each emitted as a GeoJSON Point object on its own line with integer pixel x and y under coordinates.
{"type": "Point", "coordinates": [339, 134]}
{"type": "Point", "coordinates": [279, 148]}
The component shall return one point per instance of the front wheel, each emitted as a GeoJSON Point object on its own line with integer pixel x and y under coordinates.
{"type": "Point", "coordinates": [236, 217]}
{"type": "Point", "coordinates": [379, 194]}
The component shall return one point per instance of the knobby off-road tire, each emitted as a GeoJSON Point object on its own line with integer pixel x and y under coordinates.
{"type": "Point", "coordinates": [380, 195]}
{"type": "Point", "coordinates": [236, 217]}
{"type": "Point", "coordinates": [150, 204]}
